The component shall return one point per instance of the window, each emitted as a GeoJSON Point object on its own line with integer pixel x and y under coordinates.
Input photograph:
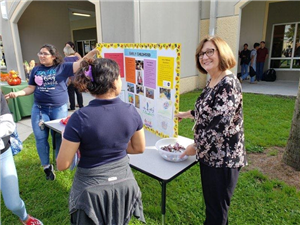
{"type": "Point", "coordinates": [285, 51]}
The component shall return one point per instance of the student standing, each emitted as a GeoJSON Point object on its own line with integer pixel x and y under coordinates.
{"type": "Point", "coordinates": [48, 82]}
{"type": "Point", "coordinates": [262, 55]}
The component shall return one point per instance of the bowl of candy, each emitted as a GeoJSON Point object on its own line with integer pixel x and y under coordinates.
{"type": "Point", "coordinates": [171, 149]}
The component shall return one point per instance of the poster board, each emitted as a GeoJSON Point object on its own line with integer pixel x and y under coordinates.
{"type": "Point", "coordinates": [150, 74]}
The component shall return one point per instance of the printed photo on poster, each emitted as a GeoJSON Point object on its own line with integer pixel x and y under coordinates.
{"type": "Point", "coordinates": [139, 64]}
{"type": "Point", "coordinates": [130, 87]}
{"type": "Point", "coordinates": [139, 77]}
{"type": "Point", "coordinates": [165, 93]}
{"type": "Point", "coordinates": [149, 93]}
{"type": "Point", "coordinates": [140, 89]}
{"type": "Point", "coordinates": [137, 101]}
{"type": "Point", "coordinates": [131, 98]}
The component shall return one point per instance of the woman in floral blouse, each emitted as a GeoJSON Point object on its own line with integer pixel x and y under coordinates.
{"type": "Point", "coordinates": [219, 129]}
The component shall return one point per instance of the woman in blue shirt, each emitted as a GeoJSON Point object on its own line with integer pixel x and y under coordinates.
{"type": "Point", "coordinates": [48, 83]}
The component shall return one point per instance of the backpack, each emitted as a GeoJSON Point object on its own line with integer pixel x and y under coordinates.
{"type": "Point", "coordinates": [269, 75]}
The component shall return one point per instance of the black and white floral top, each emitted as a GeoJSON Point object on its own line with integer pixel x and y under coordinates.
{"type": "Point", "coordinates": [219, 129]}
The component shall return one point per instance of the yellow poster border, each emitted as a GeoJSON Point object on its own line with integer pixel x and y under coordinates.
{"type": "Point", "coordinates": [155, 46]}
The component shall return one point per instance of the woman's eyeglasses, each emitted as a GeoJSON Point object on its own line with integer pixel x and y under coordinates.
{"type": "Point", "coordinates": [209, 53]}
{"type": "Point", "coordinates": [43, 53]}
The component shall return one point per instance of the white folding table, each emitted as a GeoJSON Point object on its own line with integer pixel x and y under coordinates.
{"type": "Point", "coordinates": [150, 162]}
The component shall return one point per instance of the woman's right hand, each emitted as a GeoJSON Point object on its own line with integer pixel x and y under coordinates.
{"type": "Point", "coordinates": [190, 150]}
{"type": "Point", "coordinates": [184, 115]}
{"type": "Point", "coordinates": [11, 95]}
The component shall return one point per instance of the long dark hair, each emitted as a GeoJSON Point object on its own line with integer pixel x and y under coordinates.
{"type": "Point", "coordinates": [103, 73]}
{"type": "Point", "coordinates": [53, 51]}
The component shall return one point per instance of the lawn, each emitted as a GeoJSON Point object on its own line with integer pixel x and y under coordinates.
{"type": "Point", "coordinates": [257, 199]}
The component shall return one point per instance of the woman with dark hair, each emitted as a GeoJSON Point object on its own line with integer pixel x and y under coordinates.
{"type": "Point", "coordinates": [48, 82]}
{"type": "Point", "coordinates": [104, 190]}
{"type": "Point", "coordinates": [218, 129]}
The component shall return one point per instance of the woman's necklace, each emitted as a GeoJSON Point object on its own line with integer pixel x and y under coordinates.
{"type": "Point", "coordinates": [216, 80]}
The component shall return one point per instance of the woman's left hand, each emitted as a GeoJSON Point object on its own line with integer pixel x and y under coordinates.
{"type": "Point", "coordinates": [190, 150]}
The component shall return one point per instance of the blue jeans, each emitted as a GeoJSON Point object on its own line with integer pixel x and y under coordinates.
{"type": "Point", "coordinates": [41, 133]}
{"type": "Point", "coordinates": [9, 185]}
{"type": "Point", "coordinates": [245, 71]}
{"type": "Point", "coordinates": [259, 70]}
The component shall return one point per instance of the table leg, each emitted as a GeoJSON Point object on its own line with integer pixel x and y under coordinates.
{"type": "Point", "coordinates": [54, 147]}
{"type": "Point", "coordinates": [163, 201]}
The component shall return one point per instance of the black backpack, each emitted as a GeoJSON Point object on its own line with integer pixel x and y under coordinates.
{"type": "Point", "coordinates": [269, 75]}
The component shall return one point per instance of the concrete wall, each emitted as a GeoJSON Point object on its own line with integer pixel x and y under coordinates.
{"type": "Point", "coordinates": [156, 22]}
{"type": "Point", "coordinates": [174, 22]}
{"type": "Point", "coordinates": [37, 27]}
{"type": "Point", "coordinates": [118, 21]}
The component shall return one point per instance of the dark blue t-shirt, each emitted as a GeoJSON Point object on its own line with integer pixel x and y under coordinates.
{"type": "Point", "coordinates": [50, 82]}
{"type": "Point", "coordinates": [103, 128]}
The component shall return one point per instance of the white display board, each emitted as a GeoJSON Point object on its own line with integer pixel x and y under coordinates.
{"type": "Point", "coordinates": [150, 74]}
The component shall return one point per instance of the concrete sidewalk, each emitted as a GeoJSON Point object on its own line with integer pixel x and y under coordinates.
{"type": "Point", "coordinates": [284, 88]}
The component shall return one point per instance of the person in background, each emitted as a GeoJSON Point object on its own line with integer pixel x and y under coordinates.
{"type": "Point", "coordinates": [262, 55]}
{"type": "Point", "coordinates": [70, 57]}
{"type": "Point", "coordinates": [245, 61]}
{"type": "Point", "coordinates": [9, 184]}
{"type": "Point", "coordinates": [219, 128]}
{"type": "Point", "coordinates": [253, 64]}
{"type": "Point", "coordinates": [104, 190]}
{"type": "Point", "coordinates": [48, 82]}
{"type": "Point", "coordinates": [72, 45]}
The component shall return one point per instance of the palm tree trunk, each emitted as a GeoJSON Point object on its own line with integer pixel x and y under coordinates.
{"type": "Point", "coordinates": [291, 155]}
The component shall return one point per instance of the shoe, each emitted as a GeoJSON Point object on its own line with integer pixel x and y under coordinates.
{"type": "Point", "coordinates": [71, 109]}
{"type": "Point", "coordinates": [254, 82]}
{"type": "Point", "coordinates": [50, 175]}
{"type": "Point", "coordinates": [32, 221]}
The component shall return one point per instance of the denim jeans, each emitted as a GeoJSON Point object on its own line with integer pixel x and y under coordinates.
{"type": "Point", "coordinates": [41, 114]}
{"type": "Point", "coordinates": [9, 185]}
{"type": "Point", "coordinates": [259, 70]}
{"type": "Point", "coordinates": [245, 71]}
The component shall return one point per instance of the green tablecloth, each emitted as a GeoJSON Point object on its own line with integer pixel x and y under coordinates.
{"type": "Point", "coordinates": [20, 106]}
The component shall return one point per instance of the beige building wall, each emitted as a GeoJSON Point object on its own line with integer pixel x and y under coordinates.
{"type": "Point", "coordinates": [227, 29]}
{"type": "Point", "coordinates": [190, 83]}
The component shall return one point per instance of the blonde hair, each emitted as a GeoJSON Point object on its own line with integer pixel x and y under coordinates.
{"type": "Point", "coordinates": [68, 50]}
{"type": "Point", "coordinates": [226, 57]}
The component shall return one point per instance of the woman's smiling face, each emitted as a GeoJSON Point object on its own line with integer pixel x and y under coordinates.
{"type": "Point", "coordinates": [45, 57]}
{"type": "Point", "coordinates": [211, 62]}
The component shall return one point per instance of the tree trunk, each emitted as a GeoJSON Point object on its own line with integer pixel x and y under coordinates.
{"type": "Point", "coordinates": [291, 155]}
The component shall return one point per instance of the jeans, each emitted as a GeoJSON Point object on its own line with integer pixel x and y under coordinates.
{"type": "Point", "coordinates": [9, 185]}
{"type": "Point", "coordinates": [259, 70]}
{"type": "Point", "coordinates": [245, 71]}
{"type": "Point", "coordinates": [41, 114]}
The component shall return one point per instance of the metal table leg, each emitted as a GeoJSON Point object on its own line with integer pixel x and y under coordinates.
{"type": "Point", "coordinates": [163, 201]}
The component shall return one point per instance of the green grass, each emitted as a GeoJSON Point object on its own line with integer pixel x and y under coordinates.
{"type": "Point", "coordinates": [267, 119]}
{"type": "Point", "coordinates": [257, 199]}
